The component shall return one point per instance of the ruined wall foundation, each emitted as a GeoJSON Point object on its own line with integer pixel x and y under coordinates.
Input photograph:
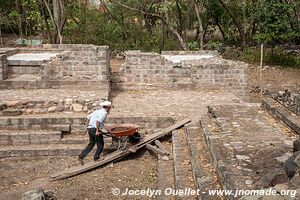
{"type": "Point", "coordinates": [183, 69]}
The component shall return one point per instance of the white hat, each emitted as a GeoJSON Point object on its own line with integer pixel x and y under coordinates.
{"type": "Point", "coordinates": [106, 104]}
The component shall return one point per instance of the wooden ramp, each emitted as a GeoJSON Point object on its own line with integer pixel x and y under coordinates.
{"type": "Point", "coordinates": [116, 155]}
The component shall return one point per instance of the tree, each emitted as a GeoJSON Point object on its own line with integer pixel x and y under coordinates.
{"type": "Point", "coordinates": [57, 16]}
{"type": "Point", "coordinates": [275, 23]}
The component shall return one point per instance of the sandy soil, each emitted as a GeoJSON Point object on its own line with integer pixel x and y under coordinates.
{"type": "Point", "coordinates": [18, 176]}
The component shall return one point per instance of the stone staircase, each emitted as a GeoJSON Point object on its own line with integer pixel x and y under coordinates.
{"type": "Point", "coordinates": [231, 148]}
{"type": "Point", "coordinates": [58, 134]}
{"type": "Point", "coordinates": [189, 166]}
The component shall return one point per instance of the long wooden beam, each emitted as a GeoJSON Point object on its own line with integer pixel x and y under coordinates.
{"type": "Point", "coordinates": [116, 155]}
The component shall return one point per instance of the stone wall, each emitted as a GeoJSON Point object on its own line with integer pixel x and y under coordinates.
{"type": "Point", "coordinates": [76, 64]}
{"type": "Point", "coordinates": [4, 52]}
{"type": "Point", "coordinates": [152, 69]}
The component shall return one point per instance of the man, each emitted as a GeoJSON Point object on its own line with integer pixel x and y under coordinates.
{"type": "Point", "coordinates": [95, 124]}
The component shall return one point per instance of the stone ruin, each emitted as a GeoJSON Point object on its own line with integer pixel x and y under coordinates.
{"type": "Point", "coordinates": [289, 99]}
{"type": "Point", "coordinates": [183, 69]}
{"type": "Point", "coordinates": [49, 122]}
{"type": "Point", "coordinates": [55, 66]}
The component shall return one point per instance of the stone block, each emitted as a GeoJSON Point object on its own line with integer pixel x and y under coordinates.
{"type": "Point", "coordinates": [20, 139]}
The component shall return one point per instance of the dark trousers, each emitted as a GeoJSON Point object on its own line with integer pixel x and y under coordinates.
{"type": "Point", "coordinates": [93, 140]}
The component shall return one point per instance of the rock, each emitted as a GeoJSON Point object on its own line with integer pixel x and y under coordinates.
{"type": "Point", "coordinates": [165, 157]}
{"type": "Point", "coordinates": [77, 107]}
{"type": "Point", "coordinates": [249, 182]}
{"type": "Point", "coordinates": [37, 194]}
{"type": "Point", "coordinates": [280, 187]}
{"type": "Point", "coordinates": [12, 112]}
{"type": "Point", "coordinates": [253, 197]}
{"type": "Point", "coordinates": [85, 109]}
{"type": "Point", "coordinates": [50, 195]}
{"type": "Point", "coordinates": [111, 165]}
{"type": "Point", "coordinates": [242, 157]}
{"type": "Point", "coordinates": [289, 143]}
{"type": "Point", "coordinates": [52, 109]}
{"type": "Point", "coordinates": [3, 106]}
{"type": "Point", "coordinates": [297, 160]}
{"type": "Point", "coordinates": [236, 101]}
{"type": "Point", "coordinates": [296, 145]}
{"type": "Point", "coordinates": [290, 167]}
{"type": "Point", "coordinates": [284, 157]}
{"type": "Point", "coordinates": [68, 101]}
{"type": "Point", "coordinates": [273, 197]}
{"type": "Point", "coordinates": [273, 177]}
{"type": "Point", "coordinates": [11, 103]}
{"type": "Point", "coordinates": [296, 181]}
{"type": "Point", "coordinates": [60, 108]}
{"type": "Point", "coordinates": [29, 111]}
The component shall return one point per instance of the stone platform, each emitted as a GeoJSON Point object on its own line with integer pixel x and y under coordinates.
{"type": "Point", "coordinates": [246, 144]}
{"type": "Point", "coordinates": [41, 101]}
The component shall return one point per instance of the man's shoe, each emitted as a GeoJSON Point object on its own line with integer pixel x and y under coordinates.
{"type": "Point", "coordinates": [99, 159]}
{"type": "Point", "coordinates": [80, 160]}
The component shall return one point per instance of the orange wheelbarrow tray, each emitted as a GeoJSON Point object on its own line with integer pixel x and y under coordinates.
{"type": "Point", "coordinates": [120, 131]}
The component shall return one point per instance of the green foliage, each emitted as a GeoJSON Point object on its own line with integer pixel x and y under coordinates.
{"type": "Point", "coordinates": [274, 20]}
{"type": "Point", "coordinates": [263, 21]}
{"type": "Point", "coordinates": [214, 45]}
{"type": "Point", "coordinates": [193, 46]}
{"type": "Point", "coordinates": [276, 56]}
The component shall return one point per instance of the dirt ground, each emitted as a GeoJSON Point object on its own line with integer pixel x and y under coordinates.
{"type": "Point", "coordinates": [19, 176]}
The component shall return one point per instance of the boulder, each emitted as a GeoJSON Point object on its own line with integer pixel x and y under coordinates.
{"type": "Point", "coordinates": [37, 194]}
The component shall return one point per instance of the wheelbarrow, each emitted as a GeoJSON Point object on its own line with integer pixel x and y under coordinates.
{"type": "Point", "coordinates": [121, 133]}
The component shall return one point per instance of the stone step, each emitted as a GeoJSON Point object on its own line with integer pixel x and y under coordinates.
{"type": "Point", "coordinates": [165, 174]}
{"type": "Point", "coordinates": [18, 70]}
{"type": "Point", "coordinates": [10, 84]}
{"type": "Point", "coordinates": [41, 150]}
{"type": "Point", "coordinates": [80, 139]}
{"type": "Point", "coordinates": [204, 174]}
{"type": "Point", "coordinates": [182, 164]}
{"type": "Point", "coordinates": [11, 137]}
{"type": "Point", "coordinates": [77, 121]}
{"type": "Point", "coordinates": [33, 150]}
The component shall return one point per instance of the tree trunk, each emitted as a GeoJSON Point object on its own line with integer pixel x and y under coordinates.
{"type": "Point", "coordinates": [1, 40]}
{"type": "Point", "coordinates": [200, 24]}
{"type": "Point", "coordinates": [177, 35]}
{"type": "Point", "coordinates": [179, 14]}
{"type": "Point", "coordinates": [58, 19]}
{"type": "Point", "coordinates": [236, 21]}
{"type": "Point", "coordinates": [162, 37]}
{"type": "Point", "coordinates": [41, 7]}
{"type": "Point", "coordinates": [19, 18]}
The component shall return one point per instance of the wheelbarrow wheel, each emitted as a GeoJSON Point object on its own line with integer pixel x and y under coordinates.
{"type": "Point", "coordinates": [136, 137]}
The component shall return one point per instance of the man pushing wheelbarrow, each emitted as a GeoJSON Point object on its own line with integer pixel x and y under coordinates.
{"type": "Point", "coordinates": [95, 124]}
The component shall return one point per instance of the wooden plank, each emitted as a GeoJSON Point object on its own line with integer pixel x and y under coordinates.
{"type": "Point", "coordinates": [161, 147]}
{"type": "Point", "coordinates": [155, 150]}
{"type": "Point", "coordinates": [116, 155]}
{"type": "Point", "coordinates": [88, 166]}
